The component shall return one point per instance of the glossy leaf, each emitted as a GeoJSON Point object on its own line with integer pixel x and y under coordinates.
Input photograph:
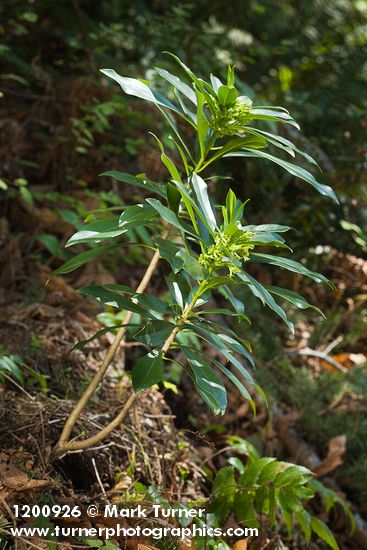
{"type": "Point", "coordinates": [141, 182]}
{"type": "Point", "coordinates": [137, 88]}
{"type": "Point", "coordinates": [290, 265]}
{"type": "Point", "coordinates": [136, 214]}
{"type": "Point", "coordinates": [201, 191]}
{"type": "Point", "coordinates": [147, 371]}
{"type": "Point", "coordinates": [170, 216]}
{"type": "Point", "coordinates": [266, 298]}
{"type": "Point", "coordinates": [169, 251]}
{"type": "Point", "coordinates": [178, 84]}
{"type": "Point", "coordinates": [323, 531]}
{"type": "Point", "coordinates": [191, 265]}
{"type": "Point", "coordinates": [266, 228]}
{"type": "Point", "coordinates": [293, 169]}
{"type": "Point", "coordinates": [293, 297]}
{"type": "Point", "coordinates": [270, 113]}
{"type": "Point", "coordinates": [82, 343]}
{"type": "Point", "coordinates": [111, 298]}
{"type": "Point", "coordinates": [227, 95]}
{"type": "Point", "coordinates": [155, 333]}
{"type": "Point", "coordinates": [83, 258]}
{"type": "Point", "coordinates": [97, 231]}
{"type": "Point", "coordinates": [208, 383]}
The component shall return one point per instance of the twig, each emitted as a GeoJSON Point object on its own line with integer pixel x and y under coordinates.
{"type": "Point", "coordinates": [333, 344]}
{"type": "Point", "coordinates": [61, 450]}
{"type": "Point", "coordinates": [18, 386]}
{"type": "Point", "coordinates": [89, 392]}
{"type": "Point", "coordinates": [319, 355]}
{"type": "Point", "coordinates": [98, 477]}
{"type": "Point", "coordinates": [12, 517]}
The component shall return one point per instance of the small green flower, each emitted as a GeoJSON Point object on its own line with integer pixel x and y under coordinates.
{"type": "Point", "coordinates": [227, 251]}
{"type": "Point", "coordinates": [230, 119]}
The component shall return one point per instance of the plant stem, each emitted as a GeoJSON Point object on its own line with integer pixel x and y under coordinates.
{"type": "Point", "coordinates": [75, 413]}
{"type": "Point", "coordinates": [64, 445]}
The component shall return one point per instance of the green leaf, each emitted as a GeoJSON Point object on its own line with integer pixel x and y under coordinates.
{"type": "Point", "coordinates": [218, 344]}
{"type": "Point", "coordinates": [268, 239]}
{"type": "Point", "coordinates": [178, 84]}
{"type": "Point", "coordinates": [173, 197]}
{"type": "Point", "coordinates": [169, 251]}
{"type": "Point", "coordinates": [215, 282]}
{"type": "Point", "coordinates": [229, 375]}
{"type": "Point", "coordinates": [283, 143]}
{"type": "Point", "coordinates": [191, 207]}
{"type": "Point", "coordinates": [244, 508]}
{"type": "Point", "coordinates": [191, 265]}
{"type": "Point", "coordinates": [169, 164]}
{"type": "Point", "coordinates": [254, 470]}
{"type": "Point", "coordinates": [170, 216]}
{"type": "Point", "coordinates": [82, 343]}
{"type": "Point", "coordinates": [237, 463]}
{"type": "Point", "coordinates": [272, 502]}
{"type": "Point", "coordinates": [235, 144]}
{"type": "Point", "coordinates": [137, 88]}
{"type": "Point", "coordinates": [293, 169]}
{"type": "Point", "coordinates": [271, 113]}
{"type": "Point", "coordinates": [52, 244]}
{"type": "Point", "coordinates": [323, 531]}
{"type": "Point", "coordinates": [83, 258]}
{"type": "Point", "coordinates": [141, 182]}
{"type": "Point", "coordinates": [295, 299]}
{"type": "Point", "coordinates": [292, 474]}
{"type": "Point", "coordinates": [238, 306]}
{"type": "Point", "coordinates": [304, 519]}
{"type": "Point", "coordinates": [287, 517]}
{"type": "Point", "coordinates": [201, 191]}
{"type": "Point", "coordinates": [223, 492]}
{"type": "Point", "coordinates": [266, 227]}
{"type": "Point", "coordinates": [202, 122]}
{"type": "Point", "coordinates": [269, 472]}
{"type": "Point", "coordinates": [208, 383]}
{"type": "Point", "coordinates": [227, 95]}
{"type": "Point", "coordinates": [152, 302]}
{"type": "Point", "coordinates": [108, 297]}
{"type": "Point", "coordinates": [244, 447]}
{"type": "Point", "coordinates": [96, 231]}
{"type": "Point", "coordinates": [265, 297]}
{"type": "Point", "coordinates": [8, 365]}
{"type": "Point", "coordinates": [188, 71]}
{"type": "Point", "coordinates": [136, 214]}
{"type": "Point", "coordinates": [179, 288]}
{"type": "Point", "coordinates": [290, 265]}
{"type": "Point", "coordinates": [155, 333]}
{"type": "Point", "coordinates": [216, 83]}
{"type": "Point", "coordinates": [235, 381]}
{"type": "Point", "coordinates": [224, 311]}
{"type": "Point", "coordinates": [147, 371]}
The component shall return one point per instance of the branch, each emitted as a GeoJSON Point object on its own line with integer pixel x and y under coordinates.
{"type": "Point", "coordinates": [64, 445]}
{"type": "Point", "coordinates": [75, 413]}
{"type": "Point", "coordinates": [320, 355]}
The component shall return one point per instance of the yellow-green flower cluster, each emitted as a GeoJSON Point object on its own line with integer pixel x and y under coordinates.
{"type": "Point", "coordinates": [228, 252]}
{"type": "Point", "coordinates": [230, 119]}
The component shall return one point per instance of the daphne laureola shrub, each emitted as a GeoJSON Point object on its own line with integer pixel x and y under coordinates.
{"type": "Point", "coordinates": [207, 246]}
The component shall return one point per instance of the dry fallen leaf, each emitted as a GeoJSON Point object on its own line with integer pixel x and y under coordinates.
{"type": "Point", "coordinates": [347, 360]}
{"type": "Point", "coordinates": [240, 545]}
{"type": "Point", "coordinates": [336, 450]}
{"type": "Point", "coordinates": [187, 544]}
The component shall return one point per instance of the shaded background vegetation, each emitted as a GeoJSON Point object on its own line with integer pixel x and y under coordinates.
{"type": "Point", "coordinates": [61, 124]}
